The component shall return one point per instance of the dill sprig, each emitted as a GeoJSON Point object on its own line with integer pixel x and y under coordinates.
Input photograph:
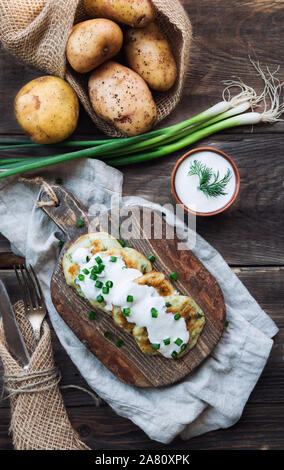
{"type": "Point", "coordinates": [209, 182]}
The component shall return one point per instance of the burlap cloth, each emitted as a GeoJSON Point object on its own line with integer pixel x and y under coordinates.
{"type": "Point", "coordinates": [38, 419]}
{"type": "Point", "coordinates": [36, 31]}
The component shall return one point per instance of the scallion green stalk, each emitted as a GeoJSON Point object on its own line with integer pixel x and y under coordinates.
{"type": "Point", "coordinates": [243, 119]}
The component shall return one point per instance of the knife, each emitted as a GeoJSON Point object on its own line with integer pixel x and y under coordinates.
{"type": "Point", "coordinates": [13, 335]}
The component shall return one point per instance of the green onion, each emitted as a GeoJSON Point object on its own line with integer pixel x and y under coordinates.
{"type": "Point", "coordinates": [99, 284]}
{"type": "Point", "coordinates": [122, 242]}
{"type": "Point", "coordinates": [119, 343]}
{"type": "Point", "coordinates": [105, 290]}
{"type": "Point", "coordinates": [93, 276]}
{"type": "Point", "coordinates": [86, 271]}
{"type": "Point", "coordinates": [174, 355]}
{"type": "Point", "coordinates": [101, 267]}
{"type": "Point", "coordinates": [80, 223]}
{"type": "Point", "coordinates": [107, 334]}
{"type": "Point", "coordinates": [168, 304]}
{"type": "Point", "coordinates": [151, 258]}
{"type": "Point", "coordinates": [129, 298]}
{"type": "Point", "coordinates": [155, 346]}
{"type": "Point", "coordinates": [178, 341]}
{"type": "Point", "coordinates": [95, 270]}
{"type": "Point", "coordinates": [174, 276]}
{"type": "Point", "coordinates": [126, 312]}
{"type": "Point", "coordinates": [100, 299]}
{"type": "Point", "coordinates": [113, 259]}
{"type": "Point", "coordinates": [60, 244]}
{"type": "Point", "coordinates": [99, 260]}
{"type": "Point", "coordinates": [87, 259]}
{"type": "Point", "coordinates": [109, 284]}
{"type": "Point", "coordinates": [184, 346]}
{"type": "Point", "coordinates": [81, 277]}
{"type": "Point", "coordinates": [92, 315]}
{"type": "Point", "coordinates": [167, 341]}
{"type": "Point", "coordinates": [177, 316]}
{"type": "Point", "coordinates": [154, 312]}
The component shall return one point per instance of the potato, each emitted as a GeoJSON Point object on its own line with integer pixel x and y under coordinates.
{"type": "Point", "coordinates": [122, 98]}
{"type": "Point", "coordinates": [136, 13]}
{"type": "Point", "coordinates": [92, 43]}
{"type": "Point", "coordinates": [47, 109]}
{"type": "Point", "coordinates": [149, 54]}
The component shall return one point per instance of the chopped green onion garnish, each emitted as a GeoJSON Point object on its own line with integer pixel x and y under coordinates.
{"type": "Point", "coordinates": [81, 277]}
{"type": "Point", "coordinates": [87, 259]}
{"type": "Point", "coordinates": [92, 315]}
{"type": "Point", "coordinates": [101, 268]}
{"type": "Point", "coordinates": [80, 223]}
{"type": "Point", "coordinates": [174, 276]}
{"type": "Point", "coordinates": [154, 312]}
{"type": "Point", "coordinates": [127, 245]}
{"type": "Point", "coordinates": [95, 269]}
{"type": "Point", "coordinates": [155, 346]}
{"type": "Point", "coordinates": [168, 304]}
{"type": "Point", "coordinates": [177, 316]}
{"type": "Point", "coordinates": [199, 315]}
{"type": "Point", "coordinates": [107, 334]}
{"type": "Point", "coordinates": [109, 284]}
{"type": "Point", "coordinates": [129, 298]}
{"type": "Point", "coordinates": [93, 276]}
{"type": "Point", "coordinates": [178, 341]}
{"type": "Point", "coordinates": [86, 271]}
{"type": "Point", "coordinates": [60, 244]}
{"type": "Point", "coordinates": [100, 299]}
{"type": "Point", "coordinates": [184, 346]}
{"type": "Point", "coordinates": [151, 258]}
{"type": "Point", "coordinates": [122, 242]}
{"type": "Point", "coordinates": [119, 343]}
{"type": "Point", "coordinates": [174, 354]}
{"type": "Point", "coordinates": [226, 324]}
{"type": "Point", "coordinates": [113, 259]}
{"type": "Point", "coordinates": [126, 312]}
{"type": "Point", "coordinates": [99, 284]}
{"type": "Point", "coordinates": [99, 260]}
{"type": "Point", "coordinates": [167, 341]}
{"type": "Point", "coordinates": [105, 290]}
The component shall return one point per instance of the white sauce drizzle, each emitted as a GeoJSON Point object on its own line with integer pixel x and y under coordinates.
{"type": "Point", "coordinates": [144, 299]}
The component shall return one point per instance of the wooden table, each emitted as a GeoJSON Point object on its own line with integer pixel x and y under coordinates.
{"type": "Point", "coordinates": [250, 235]}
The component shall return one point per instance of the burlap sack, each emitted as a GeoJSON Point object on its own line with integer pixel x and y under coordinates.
{"type": "Point", "coordinates": [38, 418]}
{"type": "Point", "coordinates": [36, 31]}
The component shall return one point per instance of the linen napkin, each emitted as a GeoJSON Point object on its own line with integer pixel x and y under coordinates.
{"type": "Point", "coordinates": [211, 397]}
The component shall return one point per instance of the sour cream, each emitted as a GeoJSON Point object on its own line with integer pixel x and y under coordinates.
{"type": "Point", "coordinates": [142, 304]}
{"type": "Point", "coordinates": [186, 186]}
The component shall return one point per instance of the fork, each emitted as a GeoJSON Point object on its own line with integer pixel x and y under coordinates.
{"type": "Point", "coordinates": [32, 296]}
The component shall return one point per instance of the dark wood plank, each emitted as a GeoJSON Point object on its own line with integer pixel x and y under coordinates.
{"type": "Point", "coordinates": [224, 34]}
{"type": "Point", "coordinates": [251, 232]}
{"type": "Point", "coordinates": [102, 429]}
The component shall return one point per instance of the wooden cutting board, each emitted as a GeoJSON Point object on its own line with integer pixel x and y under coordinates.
{"type": "Point", "coordinates": [128, 363]}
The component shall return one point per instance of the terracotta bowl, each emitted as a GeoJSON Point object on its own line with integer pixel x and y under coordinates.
{"type": "Point", "coordinates": [237, 187]}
